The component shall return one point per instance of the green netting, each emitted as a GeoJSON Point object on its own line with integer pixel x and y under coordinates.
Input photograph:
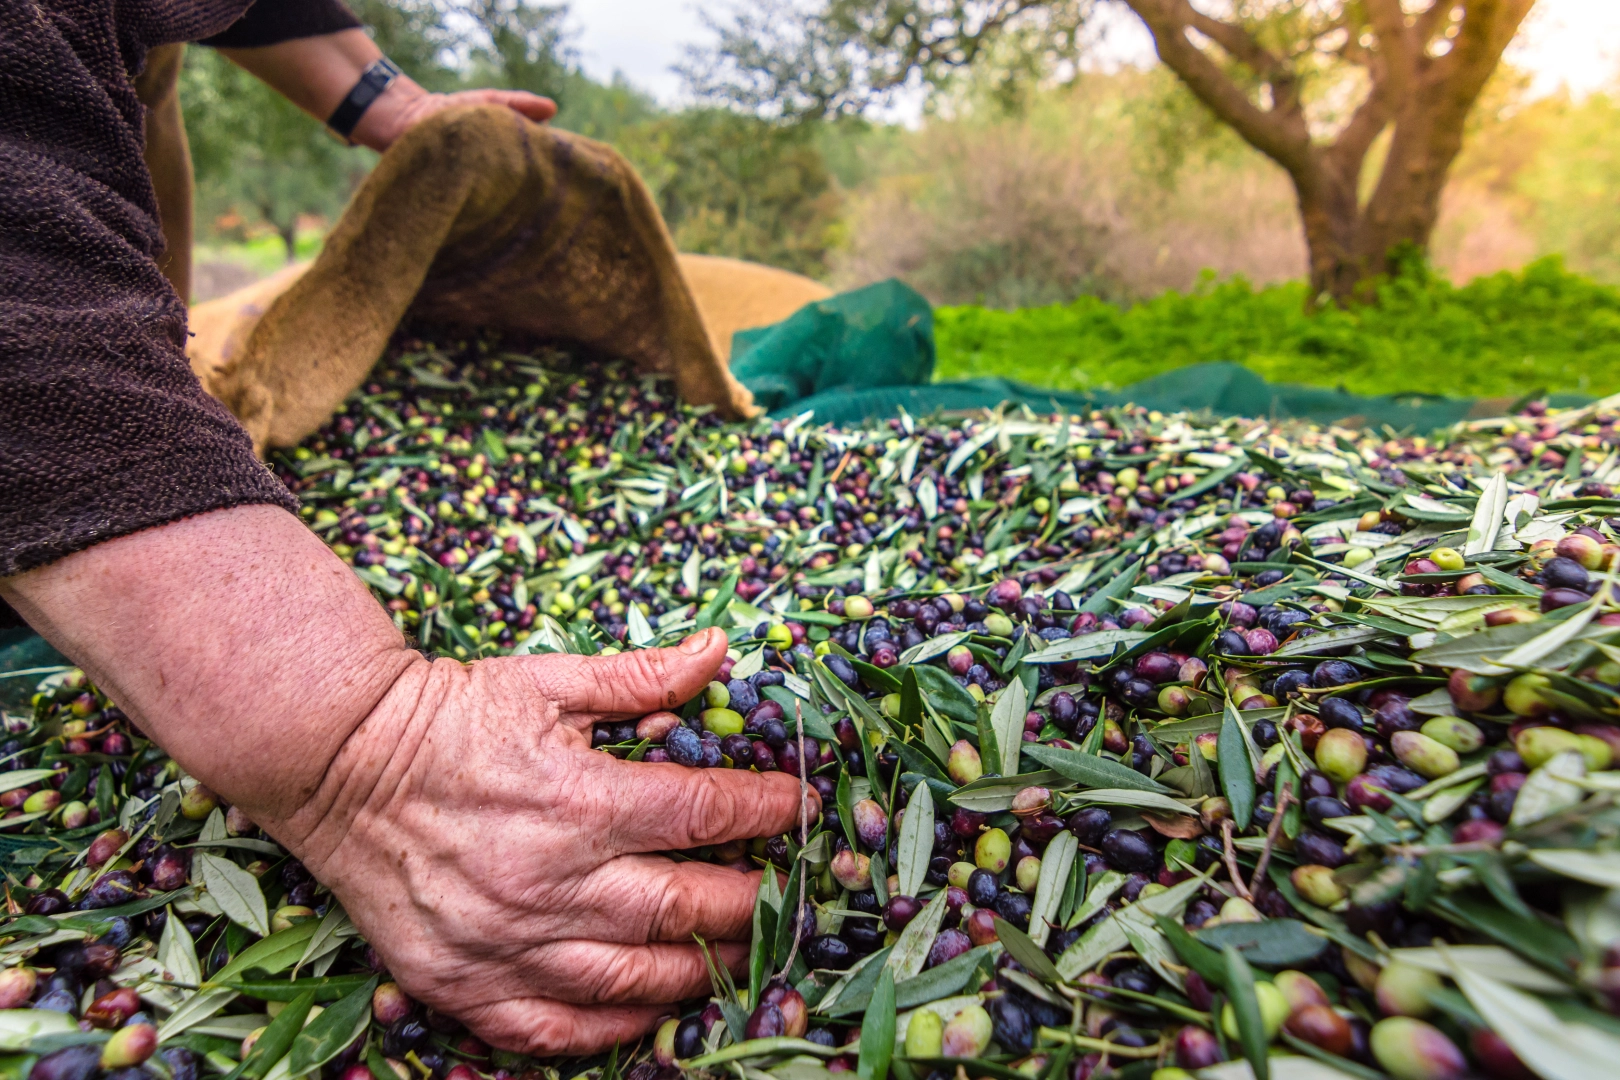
{"type": "Point", "coordinates": [865, 354]}
{"type": "Point", "coordinates": [23, 654]}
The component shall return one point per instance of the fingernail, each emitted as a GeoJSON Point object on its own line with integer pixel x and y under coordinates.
{"type": "Point", "coordinates": [698, 642]}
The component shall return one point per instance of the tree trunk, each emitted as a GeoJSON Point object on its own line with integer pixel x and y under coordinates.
{"type": "Point", "coordinates": [289, 238]}
{"type": "Point", "coordinates": [1423, 80]}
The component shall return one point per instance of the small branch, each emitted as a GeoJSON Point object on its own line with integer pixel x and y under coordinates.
{"type": "Point", "coordinates": [1232, 870]}
{"type": "Point", "coordinates": [804, 838]}
{"type": "Point", "coordinates": [1283, 804]}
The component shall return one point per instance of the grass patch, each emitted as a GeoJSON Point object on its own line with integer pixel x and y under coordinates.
{"type": "Point", "coordinates": [1542, 328]}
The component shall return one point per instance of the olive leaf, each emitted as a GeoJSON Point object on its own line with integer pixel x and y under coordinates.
{"type": "Point", "coordinates": [1056, 862]}
{"type": "Point", "coordinates": [1561, 1050]}
{"type": "Point", "coordinates": [1023, 949]}
{"type": "Point", "coordinates": [1239, 985]}
{"type": "Point", "coordinates": [994, 794]}
{"type": "Point", "coordinates": [1090, 770]}
{"type": "Point", "coordinates": [1101, 601]}
{"type": "Point", "coordinates": [1007, 722]}
{"type": "Point", "coordinates": [330, 1033]}
{"type": "Point", "coordinates": [194, 1010]}
{"type": "Point", "coordinates": [853, 989]}
{"type": "Point", "coordinates": [1140, 800]}
{"type": "Point", "coordinates": [911, 947]}
{"type": "Point", "coordinates": [934, 646]}
{"type": "Point", "coordinates": [177, 952]}
{"type": "Point", "coordinates": [1237, 775]}
{"type": "Point", "coordinates": [277, 1038]}
{"type": "Point", "coordinates": [877, 1030]}
{"type": "Point", "coordinates": [235, 890]}
{"type": "Point", "coordinates": [1593, 867]}
{"type": "Point", "coordinates": [916, 846]}
{"type": "Point", "coordinates": [1097, 643]}
{"type": "Point", "coordinates": [1272, 943]}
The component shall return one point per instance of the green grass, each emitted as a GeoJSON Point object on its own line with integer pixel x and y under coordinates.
{"type": "Point", "coordinates": [265, 254]}
{"type": "Point", "coordinates": [1508, 334]}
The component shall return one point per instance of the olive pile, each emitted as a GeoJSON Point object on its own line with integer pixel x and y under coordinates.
{"type": "Point", "coordinates": [1143, 743]}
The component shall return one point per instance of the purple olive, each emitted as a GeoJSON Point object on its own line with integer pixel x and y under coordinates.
{"type": "Point", "coordinates": [948, 945]}
{"type": "Point", "coordinates": [1129, 851]}
{"type": "Point", "coordinates": [69, 1063]}
{"type": "Point", "coordinates": [899, 911]}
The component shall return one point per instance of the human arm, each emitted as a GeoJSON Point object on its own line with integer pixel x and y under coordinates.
{"type": "Point", "coordinates": [498, 864]}
{"type": "Point", "coordinates": [316, 74]}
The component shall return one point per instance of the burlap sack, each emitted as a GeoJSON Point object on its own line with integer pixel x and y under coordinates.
{"type": "Point", "coordinates": [475, 219]}
{"type": "Point", "coordinates": [731, 295]}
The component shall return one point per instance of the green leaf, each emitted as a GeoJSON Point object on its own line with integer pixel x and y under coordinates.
{"type": "Point", "coordinates": [916, 845]}
{"type": "Point", "coordinates": [789, 914]}
{"type": "Point", "coordinates": [1056, 863]}
{"type": "Point", "coordinates": [1237, 775]}
{"type": "Point", "coordinates": [1095, 644]}
{"type": "Point", "coordinates": [1091, 770]}
{"type": "Point", "coordinates": [1561, 1050]}
{"type": "Point", "coordinates": [378, 1065]}
{"type": "Point", "coordinates": [1209, 964]}
{"type": "Point", "coordinates": [177, 953]}
{"type": "Point", "coordinates": [951, 977]}
{"type": "Point", "coordinates": [327, 988]}
{"type": "Point", "coordinates": [994, 794]}
{"type": "Point", "coordinates": [911, 947]}
{"type": "Point", "coordinates": [1246, 1008]}
{"type": "Point", "coordinates": [938, 645]}
{"type": "Point", "coordinates": [1271, 943]}
{"type": "Point", "coordinates": [877, 1030]}
{"type": "Point", "coordinates": [198, 1008]}
{"type": "Point", "coordinates": [235, 890]}
{"type": "Point", "coordinates": [710, 615]}
{"type": "Point", "coordinates": [845, 801]}
{"type": "Point", "coordinates": [273, 955]}
{"type": "Point", "coordinates": [773, 1046]}
{"type": "Point", "coordinates": [946, 695]}
{"type": "Point", "coordinates": [767, 903]}
{"type": "Point", "coordinates": [1026, 952]}
{"type": "Point", "coordinates": [330, 1033]}
{"type": "Point", "coordinates": [278, 1037]}
{"type": "Point", "coordinates": [911, 706]}
{"type": "Point", "coordinates": [989, 745]}
{"type": "Point", "coordinates": [1101, 601]}
{"type": "Point", "coordinates": [1007, 721]}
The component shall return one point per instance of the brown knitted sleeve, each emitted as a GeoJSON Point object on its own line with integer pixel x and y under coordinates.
{"type": "Point", "coordinates": [103, 428]}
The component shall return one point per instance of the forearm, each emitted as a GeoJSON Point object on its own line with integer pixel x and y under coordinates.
{"type": "Point", "coordinates": [235, 639]}
{"type": "Point", "coordinates": [317, 73]}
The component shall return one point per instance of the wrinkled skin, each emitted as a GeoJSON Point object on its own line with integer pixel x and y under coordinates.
{"type": "Point", "coordinates": [516, 856]}
{"type": "Point", "coordinates": [500, 866]}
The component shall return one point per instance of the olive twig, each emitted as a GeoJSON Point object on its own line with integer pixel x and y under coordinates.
{"type": "Point", "coordinates": [1231, 861]}
{"type": "Point", "coordinates": [804, 838]}
{"type": "Point", "coordinates": [1284, 801]}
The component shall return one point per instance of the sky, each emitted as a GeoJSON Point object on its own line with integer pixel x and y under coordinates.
{"type": "Point", "coordinates": [1566, 42]}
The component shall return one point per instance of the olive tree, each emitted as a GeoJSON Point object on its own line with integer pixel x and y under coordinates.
{"type": "Point", "coordinates": [1362, 102]}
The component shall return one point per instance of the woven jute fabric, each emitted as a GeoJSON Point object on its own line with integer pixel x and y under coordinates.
{"type": "Point", "coordinates": [475, 220]}
{"type": "Point", "coordinates": [103, 428]}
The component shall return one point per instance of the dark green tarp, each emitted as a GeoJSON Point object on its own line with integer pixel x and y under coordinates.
{"type": "Point", "coordinates": [865, 354]}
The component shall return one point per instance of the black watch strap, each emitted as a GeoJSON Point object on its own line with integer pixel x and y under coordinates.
{"type": "Point", "coordinates": [373, 81]}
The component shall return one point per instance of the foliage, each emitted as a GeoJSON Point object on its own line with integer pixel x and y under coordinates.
{"type": "Point", "coordinates": [727, 184]}
{"type": "Point", "coordinates": [254, 153]}
{"type": "Point", "coordinates": [1312, 84]}
{"type": "Point", "coordinates": [1503, 335]}
{"type": "Point", "coordinates": [1107, 187]}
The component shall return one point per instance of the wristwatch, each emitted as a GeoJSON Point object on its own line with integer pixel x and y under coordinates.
{"type": "Point", "coordinates": [373, 81]}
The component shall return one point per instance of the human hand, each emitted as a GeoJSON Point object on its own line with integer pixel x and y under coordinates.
{"type": "Point", "coordinates": [405, 104]}
{"type": "Point", "coordinates": [501, 866]}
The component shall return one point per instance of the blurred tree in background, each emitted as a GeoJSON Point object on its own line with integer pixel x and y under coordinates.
{"type": "Point", "coordinates": [1315, 85]}
{"type": "Point", "coordinates": [727, 183]}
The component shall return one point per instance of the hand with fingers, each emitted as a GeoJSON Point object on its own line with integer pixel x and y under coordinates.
{"type": "Point", "coordinates": [506, 871]}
